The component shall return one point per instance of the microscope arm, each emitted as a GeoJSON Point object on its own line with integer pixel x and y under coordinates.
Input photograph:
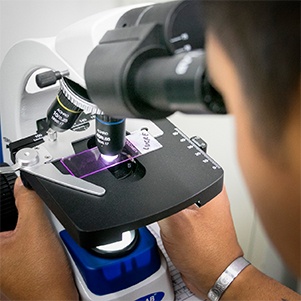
{"type": "Point", "coordinates": [19, 64]}
{"type": "Point", "coordinates": [67, 51]}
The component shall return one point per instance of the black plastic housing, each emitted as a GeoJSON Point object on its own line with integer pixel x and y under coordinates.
{"type": "Point", "coordinates": [175, 176]}
{"type": "Point", "coordinates": [143, 54]}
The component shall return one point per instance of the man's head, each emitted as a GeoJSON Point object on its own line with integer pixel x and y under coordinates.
{"type": "Point", "coordinates": [262, 38]}
{"type": "Point", "coordinates": [253, 57]}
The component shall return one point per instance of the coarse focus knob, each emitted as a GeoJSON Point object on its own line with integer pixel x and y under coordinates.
{"type": "Point", "coordinates": [8, 209]}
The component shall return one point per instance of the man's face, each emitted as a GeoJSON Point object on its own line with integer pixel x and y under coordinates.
{"type": "Point", "coordinates": [273, 189]}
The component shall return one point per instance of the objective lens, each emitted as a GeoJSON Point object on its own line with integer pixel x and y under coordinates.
{"type": "Point", "coordinates": [110, 134]}
{"type": "Point", "coordinates": [62, 114]}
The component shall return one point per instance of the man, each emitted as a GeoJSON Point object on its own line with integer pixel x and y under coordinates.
{"type": "Point", "coordinates": [253, 53]}
{"type": "Point", "coordinates": [253, 56]}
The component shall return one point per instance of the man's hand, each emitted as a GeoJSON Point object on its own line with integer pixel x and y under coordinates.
{"type": "Point", "coordinates": [33, 263]}
{"type": "Point", "coordinates": [201, 242]}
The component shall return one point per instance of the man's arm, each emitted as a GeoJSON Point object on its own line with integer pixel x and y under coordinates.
{"type": "Point", "coordinates": [33, 263]}
{"type": "Point", "coordinates": [201, 242]}
{"type": "Point", "coordinates": [252, 284]}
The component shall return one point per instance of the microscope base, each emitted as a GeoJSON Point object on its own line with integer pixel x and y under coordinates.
{"type": "Point", "coordinates": [140, 275]}
{"type": "Point", "coordinates": [159, 283]}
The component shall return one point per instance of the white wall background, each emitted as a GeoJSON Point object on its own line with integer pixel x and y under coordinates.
{"type": "Point", "coordinates": [20, 19]}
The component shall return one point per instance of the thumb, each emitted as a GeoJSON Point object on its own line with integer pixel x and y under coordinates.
{"type": "Point", "coordinates": [30, 206]}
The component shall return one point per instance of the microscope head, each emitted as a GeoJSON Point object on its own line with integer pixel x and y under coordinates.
{"type": "Point", "coordinates": [153, 64]}
{"type": "Point", "coordinates": [149, 66]}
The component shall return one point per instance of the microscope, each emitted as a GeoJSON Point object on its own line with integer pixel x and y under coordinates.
{"type": "Point", "coordinates": [83, 115]}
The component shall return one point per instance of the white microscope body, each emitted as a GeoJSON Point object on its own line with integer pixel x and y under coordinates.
{"type": "Point", "coordinates": [67, 51]}
{"type": "Point", "coordinates": [22, 103]}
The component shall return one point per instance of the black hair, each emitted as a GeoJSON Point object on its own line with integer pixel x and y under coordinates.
{"type": "Point", "coordinates": [262, 38]}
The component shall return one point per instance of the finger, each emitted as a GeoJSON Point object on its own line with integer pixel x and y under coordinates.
{"type": "Point", "coordinates": [30, 206]}
{"type": "Point", "coordinates": [219, 203]}
{"type": "Point", "coordinates": [6, 235]}
{"type": "Point", "coordinates": [221, 197]}
{"type": "Point", "coordinates": [25, 197]}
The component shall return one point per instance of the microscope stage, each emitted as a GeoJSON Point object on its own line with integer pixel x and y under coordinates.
{"type": "Point", "coordinates": [160, 183]}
